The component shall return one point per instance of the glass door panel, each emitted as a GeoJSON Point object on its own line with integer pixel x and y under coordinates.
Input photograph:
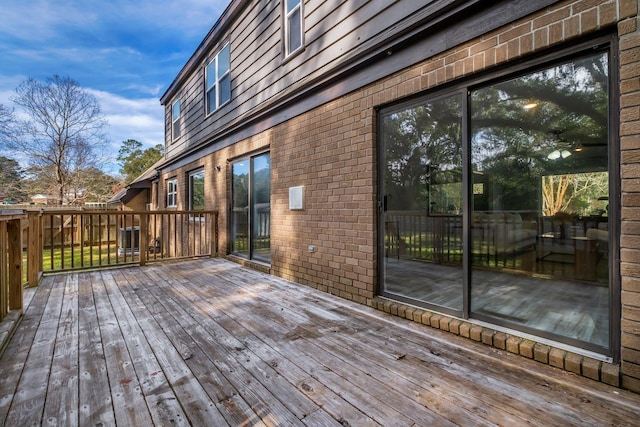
{"type": "Point", "coordinates": [539, 226]}
{"type": "Point", "coordinates": [261, 207]}
{"type": "Point", "coordinates": [251, 209]}
{"type": "Point", "coordinates": [240, 208]}
{"type": "Point", "coordinates": [422, 188]}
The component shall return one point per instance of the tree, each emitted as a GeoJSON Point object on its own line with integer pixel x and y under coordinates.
{"type": "Point", "coordinates": [134, 161]}
{"type": "Point", "coordinates": [89, 185]}
{"type": "Point", "coordinates": [95, 186]}
{"type": "Point", "coordinates": [63, 129]}
{"type": "Point", "coordinates": [6, 123]}
{"type": "Point", "coordinates": [11, 180]}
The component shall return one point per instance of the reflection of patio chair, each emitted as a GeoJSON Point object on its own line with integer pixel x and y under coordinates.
{"type": "Point", "coordinates": [154, 246]}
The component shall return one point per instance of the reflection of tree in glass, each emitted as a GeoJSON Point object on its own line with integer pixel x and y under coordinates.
{"type": "Point", "coordinates": [240, 190]}
{"type": "Point", "coordinates": [262, 186]}
{"type": "Point", "coordinates": [422, 148]}
{"type": "Point", "coordinates": [197, 191]}
{"type": "Point", "coordinates": [517, 124]}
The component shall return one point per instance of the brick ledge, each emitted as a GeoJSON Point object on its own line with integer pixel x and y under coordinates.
{"type": "Point", "coordinates": [607, 373]}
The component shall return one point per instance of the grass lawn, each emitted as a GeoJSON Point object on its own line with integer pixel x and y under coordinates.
{"type": "Point", "coordinates": [77, 257]}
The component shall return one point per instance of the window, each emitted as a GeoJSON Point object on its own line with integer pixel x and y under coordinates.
{"type": "Point", "coordinates": [517, 234]}
{"type": "Point", "coordinates": [172, 192]}
{"type": "Point", "coordinates": [196, 190]}
{"type": "Point", "coordinates": [175, 119]}
{"type": "Point", "coordinates": [293, 26]}
{"type": "Point", "coordinates": [218, 90]}
{"type": "Point", "coordinates": [251, 208]}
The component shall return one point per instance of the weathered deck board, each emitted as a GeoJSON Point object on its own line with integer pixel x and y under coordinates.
{"type": "Point", "coordinates": [95, 396]}
{"type": "Point", "coordinates": [126, 393]}
{"type": "Point", "coordinates": [280, 387]}
{"type": "Point", "coordinates": [208, 342]}
{"type": "Point", "coordinates": [29, 400]}
{"type": "Point", "coordinates": [199, 408]}
{"type": "Point", "coordinates": [61, 405]}
{"type": "Point", "coordinates": [380, 405]}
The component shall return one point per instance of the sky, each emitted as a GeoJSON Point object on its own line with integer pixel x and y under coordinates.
{"type": "Point", "coordinates": [124, 52]}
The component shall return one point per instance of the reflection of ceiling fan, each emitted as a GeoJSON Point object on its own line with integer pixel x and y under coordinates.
{"type": "Point", "coordinates": [563, 148]}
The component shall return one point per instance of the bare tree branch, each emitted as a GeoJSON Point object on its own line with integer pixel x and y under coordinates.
{"type": "Point", "coordinates": [63, 130]}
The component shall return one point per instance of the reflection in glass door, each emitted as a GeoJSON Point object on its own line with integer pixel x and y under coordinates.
{"type": "Point", "coordinates": [533, 247]}
{"type": "Point", "coordinates": [251, 208]}
{"type": "Point", "coordinates": [261, 207]}
{"type": "Point", "coordinates": [422, 191]}
{"type": "Point", "coordinates": [240, 208]}
{"type": "Point", "coordinates": [540, 220]}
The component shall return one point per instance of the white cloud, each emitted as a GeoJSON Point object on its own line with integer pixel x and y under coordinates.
{"type": "Point", "coordinates": [126, 52]}
{"type": "Point", "coordinates": [41, 19]}
{"type": "Point", "coordinates": [139, 119]}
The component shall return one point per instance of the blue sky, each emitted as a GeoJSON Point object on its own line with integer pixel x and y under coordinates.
{"type": "Point", "coordinates": [126, 53]}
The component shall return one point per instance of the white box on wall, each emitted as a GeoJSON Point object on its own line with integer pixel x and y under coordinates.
{"type": "Point", "coordinates": [296, 198]}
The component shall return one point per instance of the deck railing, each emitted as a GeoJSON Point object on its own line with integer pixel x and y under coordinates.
{"type": "Point", "coordinates": [37, 242]}
{"type": "Point", "coordinates": [10, 262]}
{"type": "Point", "coordinates": [93, 239]}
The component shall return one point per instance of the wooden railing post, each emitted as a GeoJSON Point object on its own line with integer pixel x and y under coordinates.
{"type": "Point", "coordinates": [14, 232]}
{"type": "Point", "coordinates": [144, 241]}
{"type": "Point", "coordinates": [34, 248]}
{"type": "Point", "coordinates": [4, 273]}
{"type": "Point", "coordinates": [213, 230]}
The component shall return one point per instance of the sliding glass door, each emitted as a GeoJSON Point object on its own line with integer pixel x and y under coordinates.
{"type": "Point", "coordinates": [495, 201]}
{"type": "Point", "coordinates": [251, 208]}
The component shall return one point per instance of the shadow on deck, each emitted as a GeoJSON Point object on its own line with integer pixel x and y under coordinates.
{"type": "Point", "coordinates": [208, 342]}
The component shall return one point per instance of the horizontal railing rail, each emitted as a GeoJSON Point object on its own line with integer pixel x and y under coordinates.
{"type": "Point", "coordinates": [72, 240]}
{"type": "Point", "coordinates": [33, 243]}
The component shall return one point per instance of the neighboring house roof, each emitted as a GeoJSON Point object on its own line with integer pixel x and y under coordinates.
{"type": "Point", "coordinates": [147, 176]}
{"type": "Point", "coordinates": [44, 196]}
{"type": "Point", "coordinates": [140, 183]}
{"type": "Point", "coordinates": [118, 196]}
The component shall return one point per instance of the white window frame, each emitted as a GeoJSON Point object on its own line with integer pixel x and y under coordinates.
{"type": "Point", "coordinates": [288, 14]}
{"type": "Point", "coordinates": [172, 192]}
{"type": "Point", "coordinates": [175, 120]}
{"type": "Point", "coordinates": [214, 66]}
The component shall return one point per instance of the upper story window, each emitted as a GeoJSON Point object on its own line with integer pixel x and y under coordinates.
{"type": "Point", "coordinates": [196, 190]}
{"type": "Point", "coordinates": [175, 119]}
{"type": "Point", "coordinates": [172, 192]}
{"type": "Point", "coordinates": [218, 77]}
{"type": "Point", "coordinates": [293, 26]}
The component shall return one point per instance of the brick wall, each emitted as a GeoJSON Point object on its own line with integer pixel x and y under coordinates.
{"type": "Point", "coordinates": [138, 203]}
{"type": "Point", "coordinates": [331, 152]}
{"type": "Point", "coordinates": [629, 31]}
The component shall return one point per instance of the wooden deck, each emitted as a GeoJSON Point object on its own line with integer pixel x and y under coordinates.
{"type": "Point", "coordinates": [210, 343]}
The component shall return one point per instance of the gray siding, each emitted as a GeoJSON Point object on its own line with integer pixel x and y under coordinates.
{"type": "Point", "coordinates": [335, 31]}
